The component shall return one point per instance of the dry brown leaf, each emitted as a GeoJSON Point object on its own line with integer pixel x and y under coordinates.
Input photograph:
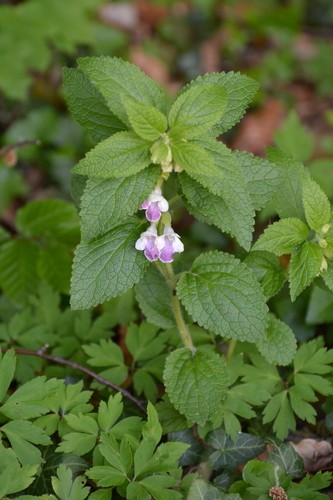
{"type": "Point", "coordinates": [316, 455]}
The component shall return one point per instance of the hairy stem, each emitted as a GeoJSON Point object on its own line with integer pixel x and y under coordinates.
{"type": "Point", "coordinates": [168, 273]}
{"type": "Point", "coordinates": [61, 361]}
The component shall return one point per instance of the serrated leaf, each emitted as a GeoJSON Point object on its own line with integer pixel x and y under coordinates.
{"type": "Point", "coordinates": [282, 236]}
{"type": "Point", "coordinates": [304, 266]}
{"type": "Point", "coordinates": [143, 342]}
{"type": "Point", "coordinates": [53, 218]}
{"type": "Point", "coordinates": [66, 488]}
{"type": "Point", "coordinates": [154, 298]}
{"type": "Point", "coordinates": [115, 78]}
{"type": "Point", "coordinates": [294, 139]}
{"type": "Point", "coordinates": [288, 200]}
{"type": "Point", "coordinates": [13, 476]}
{"type": "Point", "coordinates": [18, 273]}
{"type": "Point", "coordinates": [279, 410]}
{"type": "Point", "coordinates": [222, 295]}
{"type": "Point", "coordinates": [240, 91]}
{"type": "Point", "coordinates": [109, 355]}
{"type": "Point", "coordinates": [262, 177]}
{"type": "Point", "coordinates": [106, 267]}
{"type": "Point", "coordinates": [196, 383]}
{"type": "Point", "coordinates": [108, 413]}
{"type": "Point", "coordinates": [198, 164]}
{"type": "Point", "coordinates": [279, 345]}
{"type": "Point", "coordinates": [7, 370]}
{"type": "Point", "coordinates": [148, 122]}
{"type": "Point", "coordinates": [311, 357]}
{"type": "Point", "coordinates": [316, 205]}
{"type": "Point", "coordinates": [108, 202]}
{"type": "Point", "coordinates": [231, 453]}
{"type": "Point", "coordinates": [22, 435]}
{"type": "Point", "coordinates": [88, 106]}
{"type": "Point", "coordinates": [121, 155]}
{"type": "Point", "coordinates": [287, 459]}
{"type": "Point", "coordinates": [196, 110]}
{"type": "Point", "coordinates": [268, 271]}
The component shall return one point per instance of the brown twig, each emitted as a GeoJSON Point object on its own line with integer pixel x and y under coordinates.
{"type": "Point", "coordinates": [20, 144]}
{"type": "Point", "coordinates": [61, 361]}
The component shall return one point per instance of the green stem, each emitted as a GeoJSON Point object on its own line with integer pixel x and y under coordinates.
{"type": "Point", "coordinates": [231, 348]}
{"type": "Point", "coordinates": [168, 273]}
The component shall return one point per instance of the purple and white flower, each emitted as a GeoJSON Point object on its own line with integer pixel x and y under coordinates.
{"type": "Point", "coordinates": [155, 204]}
{"type": "Point", "coordinates": [148, 243]}
{"type": "Point", "coordinates": [168, 244]}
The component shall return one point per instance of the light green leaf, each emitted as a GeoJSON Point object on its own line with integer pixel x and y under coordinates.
{"type": "Point", "coordinates": [320, 308]}
{"type": "Point", "coordinates": [105, 475]}
{"type": "Point", "coordinates": [294, 139]}
{"type": "Point", "coordinates": [88, 106]}
{"type": "Point", "coordinates": [198, 164]}
{"type": "Point", "coordinates": [196, 383]}
{"type": "Point", "coordinates": [7, 370]}
{"type": "Point", "coordinates": [328, 276]}
{"type": "Point", "coordinates": [144, 342]}
{"type": "Point", "coordinates": [240, 91]}
{"type": "Point", "coordinates": [152, 429]}
{"type": "Point", "coordinates": [146, 121]}
{"type": "Point", "coordinates": [79, 443]}
{"type": "Point", "coordinates": [304, 266]}
{"type": "Point", "coordinates": [108, 202]}
{"type": "Point", "coordinates": [13, 477]}
{"type": "Point", "coordinates": [288, 200]}
{"type": "Point", "coordinates": [108, 413]}
{"type": "Point", "coordinates": [316, 205]}
{"type": "Point", "coordinates": [267, 270]}
{"type": "Point", "coordinates": [279, 410]}
{"type": "Point", "coordinates": [53, 218]}
{"type": "Point", "coordinates": [121, 155]}
{"type": "Point", "coordinates": [262, 177]}
{"type": "Point", "coordinates": [222, 294]}
{"type": "Point", "coordinates": [108, 354]}
{"type": "Point", "coordinates": [106, 267]}
{"type": "Point", "coordinates": [233, 453]}
{"type": "Point", "coordinates": [67, 489]}
{"type": "Point", "coordinates": [196, 110]}
{"type": "Point", "coordinates": [279, 346]}
{"type": "Point", "coordinates": [115, 78]}
{"type": "Point", "coordinates": [18, 273]}
{"type": "Point", "coordinates": [283, 236]}
{"type": "Point", "coordinates": [21, 434]}
{"type": "Point", "coordinates": [154, 298]}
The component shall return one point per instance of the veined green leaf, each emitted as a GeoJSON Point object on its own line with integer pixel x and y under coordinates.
{"type": "Point", "coordinates": [148, 122]}
{"type": "Point", "coordinates": [222, 295]}
{"type": "Point", "coordinates": [115, 78]}
{"type": "Point", "coordinates": [121, 155]}
{"type": "Point", "coordinates": [108, 202]}
{"type": "Point", "coordinates": [106, 267]}
{"type": "Point", "coordinates": [304, 266]}
{"type": "Point", "coordinates": [279, 346]}
{"type": "Point", "coordinates": [88, 106]}
{"type": "Point", "coordinates": [240, 91]}
{"type": "Point", "coordinates": [66, 488]}
{"type": "Point", "coordinates": [316, 205]}
{"type": "Point", "coordinates": [7, 370]}
{"type": "Point", "coordinates": [196, 383]}
{"type": "Point", "coordinates": [13, 477]}
{"type": "Point", "coordinates": [283, 236]}
{"type": "Point", "coordinates": [233, 453]}
{"type": "Point", "coordinates": [268, 271]}
{"type": "Point", "coordinates": [294, 139]}
{"type": "Point", "coordinates": [196, 110]}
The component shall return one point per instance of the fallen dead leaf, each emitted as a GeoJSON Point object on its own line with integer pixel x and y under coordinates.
{"type": "Point", "coordinates": [316, 455]}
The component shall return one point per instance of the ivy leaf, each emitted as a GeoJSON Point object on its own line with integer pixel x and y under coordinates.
{"type": "Point", "coordinates": [316, 205]}
{"type": "Point", "coordinates": [154, 298]}
{"type": "Point", "coordinates": [231, 209]}
{"type": "Point", "coordinates": [115, 79]}
{"type": "Point", "coordinates": [262, 177]}
{"type": "Point", "coordinates": [18, 273]}
{"type": "Point", "coordinates": [67, 489]}
{"type": "Point", "coordinates": [106, 267]}
{"type": "Point", "coordinates": [240, 91]}
{"type": "Point", "coordinates": [304, 266]}
{"type": "Point", "coordinates": [7, 370]}
{"type": "Point", "coordinates": [222, 295]}
{"type": "Point", "coordinates": [196, 110]}
{"type": "Point", "coordinates": [288, 199]}
{"type": "Point", "coordinates": [121, 155]}
{"type": "Point", "coordinates": [108, 202]}
{"type": "Point", "coordinates": [196, 383]}
{"type": "Point", "coordinates": [283, 236]}
{"type": "Point", "coordinates": [198, 164]}
{"type": "Point", "coordinates": [287, 458]}
{"type": "Point", "coordinates": [267, 270]}
{"type": "Point", "coordinates": [279, 346]}
{"type": "Point", "coordinates": [148, 122]}
{"type": "Point", "coordinates": [231, 453]}
{"type": "Point", "coordinates": [88, 106]}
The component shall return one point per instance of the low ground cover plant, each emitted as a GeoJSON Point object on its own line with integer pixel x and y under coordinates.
{"type": "Point", "coordinates": [174, 372]}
